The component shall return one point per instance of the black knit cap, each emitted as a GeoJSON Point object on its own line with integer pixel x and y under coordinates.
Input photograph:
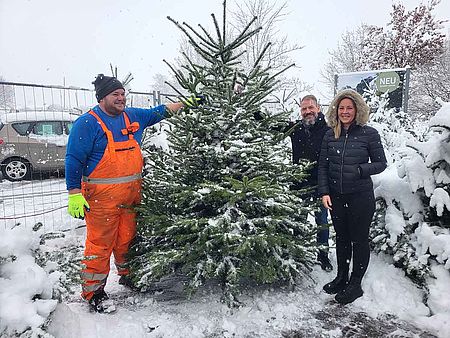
{"type": "Point", "coordinates": [105, 85]}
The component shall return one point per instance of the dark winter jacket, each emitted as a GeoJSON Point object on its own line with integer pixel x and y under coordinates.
{"type": "Point", "coordinates": [306, 142]}
{"type": "Point", "coordinates": [344, 165]}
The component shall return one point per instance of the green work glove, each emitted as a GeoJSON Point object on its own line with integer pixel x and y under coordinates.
{"type": "Point", "coordinates": [194, 101]}
{"type": "Point", "coordinates": [77, 203]}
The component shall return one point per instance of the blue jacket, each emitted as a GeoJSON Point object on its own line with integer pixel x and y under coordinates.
{"type": "Point", "coordinates": [87, 140]}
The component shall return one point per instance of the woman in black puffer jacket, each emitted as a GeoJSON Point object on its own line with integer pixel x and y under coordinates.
{"type": "Point", "coordinates": [346, 187]}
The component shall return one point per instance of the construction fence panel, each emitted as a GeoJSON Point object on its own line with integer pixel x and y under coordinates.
{"type": "Point", "coordinates": [34, 124]}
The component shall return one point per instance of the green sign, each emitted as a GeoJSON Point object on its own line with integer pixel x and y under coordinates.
{"type": "Point", "coordinates": [387, 82]}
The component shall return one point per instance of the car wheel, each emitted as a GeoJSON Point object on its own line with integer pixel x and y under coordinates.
{"type": "Point", "coordinates": [16, 169]}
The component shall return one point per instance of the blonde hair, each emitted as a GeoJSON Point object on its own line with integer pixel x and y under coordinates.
{"type": "Point", "coordinates": [361, 110]}
{"type": "Point", "coordinates": [338, 128]}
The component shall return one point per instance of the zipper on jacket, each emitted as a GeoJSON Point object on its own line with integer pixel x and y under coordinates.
{"type": "Point", "coordinates": [342, 162]}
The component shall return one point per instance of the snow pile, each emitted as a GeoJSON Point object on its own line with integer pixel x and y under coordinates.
{"type": "Point", "coordinates": [438, 302]}
{"type": "Point", "coordinates": [25, 288]}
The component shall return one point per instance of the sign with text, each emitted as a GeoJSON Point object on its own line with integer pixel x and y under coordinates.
{"type": "Point", "coordinates": [395, 82]}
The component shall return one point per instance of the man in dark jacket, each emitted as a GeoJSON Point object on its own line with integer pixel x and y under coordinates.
{"type": "Point", "coordinates": [306, 141]}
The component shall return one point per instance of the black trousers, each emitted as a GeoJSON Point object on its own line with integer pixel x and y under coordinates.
{"type": "Point", "coordinates": [352, 215]}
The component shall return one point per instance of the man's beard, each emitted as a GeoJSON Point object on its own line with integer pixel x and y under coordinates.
{"type": "Point", "coordinates": [309, 122]}
{"type": "Point", "coordinates": [113, 110]}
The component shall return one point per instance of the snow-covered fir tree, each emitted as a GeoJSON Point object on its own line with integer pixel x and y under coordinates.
{"type": "Point", "coordinates": [218, 205]}
{"type": "Point", "coordinates": [412, 219]}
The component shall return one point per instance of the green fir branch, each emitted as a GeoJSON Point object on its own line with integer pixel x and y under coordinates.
{"type": "Point", "coordinates": [219, 35]}
{"type": "Point", "coordinates": [211, 43]}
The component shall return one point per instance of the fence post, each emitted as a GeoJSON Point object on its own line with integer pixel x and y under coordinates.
{"type": "Point", "coordinates": [154, 98]}
{"type": "Point", "coordinates": [406, 89]}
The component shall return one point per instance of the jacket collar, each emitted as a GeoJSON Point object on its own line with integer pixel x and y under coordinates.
{"type": "Point", "coordinates": [352, 126]}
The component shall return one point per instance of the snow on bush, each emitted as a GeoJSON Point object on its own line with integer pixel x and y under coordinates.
{"type": "Point", "coordinates": [412, 221]}
{"type": "Point", "coordinates": [26, 289]}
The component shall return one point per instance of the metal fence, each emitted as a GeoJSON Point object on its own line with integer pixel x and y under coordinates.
{"type": "Point", "coordinates": [16, 96]}
{"type": "Point", "coordinates": [42, 198]}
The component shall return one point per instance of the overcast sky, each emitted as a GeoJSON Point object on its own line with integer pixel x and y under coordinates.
{"type": "Point", "coordinates": [52, 41]}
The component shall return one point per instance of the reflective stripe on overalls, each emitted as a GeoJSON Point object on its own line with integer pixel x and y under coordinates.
{"type": "Point", "coordinates": [111, 190]}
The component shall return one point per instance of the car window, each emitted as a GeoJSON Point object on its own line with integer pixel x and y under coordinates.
{"type": "Point", "coordinates": [48, 128]}
{"type": "Point", "coordinates": [22, 128]}
{"type": "Point", "coordinates": [68, 126]}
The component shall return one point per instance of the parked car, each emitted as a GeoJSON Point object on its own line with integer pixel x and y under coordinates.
{"type": "Point", "coordinates": [32, 142]}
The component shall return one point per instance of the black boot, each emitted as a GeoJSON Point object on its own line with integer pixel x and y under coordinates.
{"type": "Point", "coordinates": [351, 292]}
{"type": "Point", "coordinates": [338, 284]}
{"type": "Point", "coordinates": [324, 261]}
{"type": "Point", "coordinates": [100, 302]}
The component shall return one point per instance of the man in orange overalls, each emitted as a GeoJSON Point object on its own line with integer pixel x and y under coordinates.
{"type": "Point", "coordinates": [103, 176]}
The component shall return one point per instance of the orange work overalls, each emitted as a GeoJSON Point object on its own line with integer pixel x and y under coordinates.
{"type": "Point", "coordinates": [111, 190]}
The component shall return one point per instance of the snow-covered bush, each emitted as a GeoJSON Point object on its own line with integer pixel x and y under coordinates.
{"type": "Point", "coordinates": [413, 220]}
{"type": "Point", "coordinates": [26, 289]}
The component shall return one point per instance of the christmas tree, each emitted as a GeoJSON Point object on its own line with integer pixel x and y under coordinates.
{"type": "Point", "coordinates": [218, 204]}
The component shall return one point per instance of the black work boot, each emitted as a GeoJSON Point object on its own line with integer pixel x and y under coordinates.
{"type": "Point", "coordinates": [100, 302]}
{"type": "Point", "coordinates": [338, 284]}
{"type": "Point", "coordinates": [324, 261]}
{"type": "Point", "coordinates": [351, 292]}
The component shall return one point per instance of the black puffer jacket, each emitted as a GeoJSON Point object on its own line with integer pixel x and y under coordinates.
{"type": "Point", "coordinates": [343, 165]}
{"type": "Point", "coordinates": [306, 142]}
{"type": "Point", "coordinates": [344, 162]}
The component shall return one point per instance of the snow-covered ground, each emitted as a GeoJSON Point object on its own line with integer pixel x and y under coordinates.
{"type": "Point", "coordinates": [267, 312]}
{"type": "Point", "coordinates": [392, 305]}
